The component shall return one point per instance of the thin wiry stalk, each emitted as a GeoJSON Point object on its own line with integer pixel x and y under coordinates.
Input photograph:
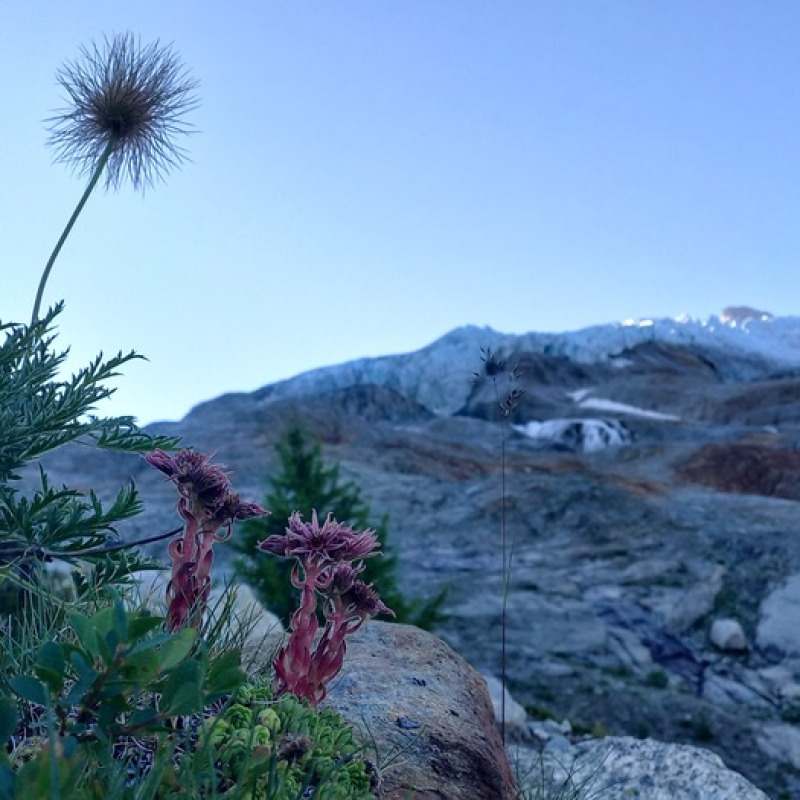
{"type": "Point", "coordinates": [506, 573]}
{"type": "Point", "coordinates": [492, 368]}
{"type": "Point", "coordinates": [67, 230]}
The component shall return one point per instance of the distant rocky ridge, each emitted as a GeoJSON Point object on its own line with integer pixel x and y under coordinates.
{"type": "Point", "coordinates": [625, 555]}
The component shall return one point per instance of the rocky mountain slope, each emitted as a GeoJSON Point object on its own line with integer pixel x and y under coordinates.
{"type": "Point", "coordinates": [651, 492]}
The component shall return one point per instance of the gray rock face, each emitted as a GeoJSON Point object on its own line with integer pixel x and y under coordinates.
{"type": "Point", "coordinates": [622, 556]}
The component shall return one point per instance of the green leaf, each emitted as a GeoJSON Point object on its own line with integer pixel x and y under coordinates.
{"type": "Point", "coordinates": [86, 632]}
{"type": "Point", "coordinates": [87, 675]}
{"type": "Point", "coordinates": [181, 691]}
{"type": "Point", "coordinates": [9, 717]}
{"type": "Point", "coordinates": [176, 649]}
{"type": "Point", "coordinates": [50, 665]}
{"type": "Point", "coordinates": [225, 675]}
{"type": "Point", "coordinates": [7, 781]}
{"type": "Point", "coordinates": [28, 688]}
{"type": "Point", "coordinates": [119, 622]}
{"type": "Point", "coordinates": [140, 626]}
{"type": "Point", "coordinates": [146, 718]}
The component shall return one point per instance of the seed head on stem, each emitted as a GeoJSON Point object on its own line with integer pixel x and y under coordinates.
{"type": "Point", "coordinates": [126, 104]}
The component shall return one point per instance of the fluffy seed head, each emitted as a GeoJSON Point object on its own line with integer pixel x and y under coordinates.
{"type": "Point", "coordinates": [129, 98]}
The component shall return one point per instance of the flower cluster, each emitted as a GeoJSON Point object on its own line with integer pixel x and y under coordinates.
{"type": "Point", "coordinates": [208, 506]}
{"type": "Point", "coordinates": [328, 562]}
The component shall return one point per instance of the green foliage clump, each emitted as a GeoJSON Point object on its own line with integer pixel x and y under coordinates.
{"type": "Point", "coordinates": [39, 412]}
{"type": "Point", "coordinates": [102, 706]}
{"type": "Point", "coordinates": [283, 749]}
{"type": "Point", "coordinates": [305, 483]}
{"type": "Point", "coordinates": [97, 700]}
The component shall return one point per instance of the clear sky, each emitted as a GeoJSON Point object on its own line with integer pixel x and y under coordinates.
{"type": "Point", "coordinates": [369, 174]}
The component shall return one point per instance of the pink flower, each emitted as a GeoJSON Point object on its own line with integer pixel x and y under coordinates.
{"type": "Point", "coordinates": [207, 504]}
{"type": "Point", "coordinates": [329, 544]}
{"type": "Point", "coordinates": [324, 572]}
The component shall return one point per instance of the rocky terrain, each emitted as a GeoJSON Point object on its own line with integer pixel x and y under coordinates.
{"type": "Point", "coordinates": [651, 481]}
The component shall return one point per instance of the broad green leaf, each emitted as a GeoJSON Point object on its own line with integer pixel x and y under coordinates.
{"type": "Point", "coordinates": [181, 693]}
{"type": "Point", "coordinates": [9, 717]}
{"type": "Point", "coordinates": [50, 665]}
{"type": "Point", "coordinates": [86, 632]}
{"type": "Point", "coordinates": [7, 780]}
{"type": "Point", "coordinates": [28, 688]}
{"type": "Point", "coordinates": [176, 649]}
{"type": "Point", "coordinates": [140, 626]}
{"type": "Point", "coordinates": [225, 675]}
{"type": "Point", "coordinates": [120, 621]}
{"type": "Point", "coordinates": [140, 668]}
{"type": "Point", "coordinates": [147, 718]}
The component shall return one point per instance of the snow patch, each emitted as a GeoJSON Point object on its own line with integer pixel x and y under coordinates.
{"type": "Point", "coordinates": [579, 394]}
{"type": "Point", "coordinates": [585, 435]}
{"type": "Point", "coordinates": [623, 408]}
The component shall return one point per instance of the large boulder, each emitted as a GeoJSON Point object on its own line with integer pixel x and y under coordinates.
{"type": "Point", "coordinates": [424, 714]}
{"type": "Point", "coordinates": [620, 768]}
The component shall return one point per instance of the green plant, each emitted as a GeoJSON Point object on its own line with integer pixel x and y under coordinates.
{"type": "Point", "coordinates": [305, 483]}
{"type": "Point", "coordinates": [282, 749]}
{"type": "Point", "coordinates": [39, 522]}
{"type": "Point", "coordinates": [702, 729]}
{"type": "Point", "coordinates": [103, 706]}
{"type": "Point", "coordinates": [544, 776]}
{"type": "Point", "coordinates": [111, 680]}
{"type": "Point", "coordinates": [97, 699]}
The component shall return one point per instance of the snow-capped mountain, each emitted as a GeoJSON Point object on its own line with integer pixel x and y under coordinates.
{"type": "Point", "coordinates": [437, 376]}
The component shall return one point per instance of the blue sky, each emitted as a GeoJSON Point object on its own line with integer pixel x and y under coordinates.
{"type": "Point", "coordinates": [369, 174]}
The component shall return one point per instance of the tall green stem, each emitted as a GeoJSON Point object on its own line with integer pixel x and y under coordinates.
{"type": "Point", "coordinates": [75, 214]}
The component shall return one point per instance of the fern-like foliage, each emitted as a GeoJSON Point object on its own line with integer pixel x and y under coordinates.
{"type": "Point", "coordinates": [40, 411]}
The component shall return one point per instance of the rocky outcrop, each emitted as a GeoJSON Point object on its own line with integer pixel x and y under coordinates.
{"type": "Point", "coordinates": [424, 715]}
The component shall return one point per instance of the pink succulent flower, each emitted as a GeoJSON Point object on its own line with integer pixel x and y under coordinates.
{"type": "Point", "coordinates": [209, 507]}
{"type": "Point", "coordinates": [324, 572]}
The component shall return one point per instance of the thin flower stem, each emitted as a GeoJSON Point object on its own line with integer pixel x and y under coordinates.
{"type": "Point", "coordinates": [66, 232]}
{"type": "Point", "coordinates": [506, 577]}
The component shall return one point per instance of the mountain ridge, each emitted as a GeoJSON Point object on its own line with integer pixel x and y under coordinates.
{"type": "Point", "coordinates": [437, 375]}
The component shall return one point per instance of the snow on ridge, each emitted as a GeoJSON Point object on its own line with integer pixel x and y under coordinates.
{"type": "Point", "coordinates": [437, 376]}
{"type": "Point", "coordinates": [776, 339]}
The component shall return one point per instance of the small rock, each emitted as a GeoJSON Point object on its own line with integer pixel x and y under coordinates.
{"type": "Point", "coordinates": [515, 713]}
{"type": "Point", "coordinates": [778, 630]}
{"type": "Point", "coordinates": [728, 635]}
{"type": "Point", "coordinates": [697, 601]}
